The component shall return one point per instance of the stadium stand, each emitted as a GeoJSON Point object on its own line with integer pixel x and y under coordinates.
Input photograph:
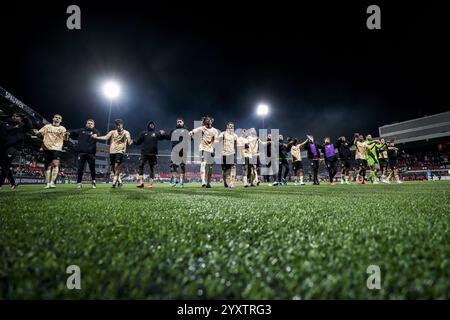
{"type": "Point", "coordinates": [425, 142]}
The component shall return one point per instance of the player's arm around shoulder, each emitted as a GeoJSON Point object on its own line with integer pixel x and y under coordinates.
{"type": "Point", "coordinates": [128, 137]}
{"type": "Point", "coordinates": [140, 138]}
{"type": "Point", "coordinates": [65, 133]}
{"type": "Point", "coordinates": [196, 130]}
{"type": "Point", "coordinates": [105, 137]}
{"type": "Point", "coordinates": [42, 131]}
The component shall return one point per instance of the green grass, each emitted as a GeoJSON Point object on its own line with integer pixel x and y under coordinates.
{"type": "Point", "coordinates": [267, 242]}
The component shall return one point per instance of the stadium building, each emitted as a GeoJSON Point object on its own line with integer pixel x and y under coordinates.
{"type": "Point", "coordinates": [426, 142]}
{"type": "Point", "coordinates": [431, 132]}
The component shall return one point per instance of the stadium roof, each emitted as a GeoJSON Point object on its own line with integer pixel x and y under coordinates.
{"type": "Point", "coordinates": [425, 128]}
{"type": "Point", "coordinates": [10, 104]}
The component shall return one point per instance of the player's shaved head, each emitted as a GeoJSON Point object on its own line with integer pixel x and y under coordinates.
{"type": "Point", "coordinates": [90, 123]}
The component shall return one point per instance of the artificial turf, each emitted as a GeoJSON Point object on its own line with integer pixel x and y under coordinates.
{"type": "Point", "coordinates": [294, 242]}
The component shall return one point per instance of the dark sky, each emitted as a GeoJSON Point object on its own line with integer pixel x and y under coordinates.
{"type": "Point", "coordinates": [318, 66]}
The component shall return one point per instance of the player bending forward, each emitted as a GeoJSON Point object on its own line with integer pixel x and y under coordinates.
{"type": "Point", "coordinates": [54, 135]}
{"type": "Point", "coordinates": [118, 139]}
{"type": "Point", "coordinates": [208, 137]}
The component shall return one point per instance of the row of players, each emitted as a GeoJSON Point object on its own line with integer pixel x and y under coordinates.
{"type": "Point", "coordinates": [375, 154]}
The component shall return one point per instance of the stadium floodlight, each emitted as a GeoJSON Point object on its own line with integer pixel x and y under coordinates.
{"type": "Point", "coordinates": [111, 90]}
{"type": "Point", "coordinates": [262, 110]}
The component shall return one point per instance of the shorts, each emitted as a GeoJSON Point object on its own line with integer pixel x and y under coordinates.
{"type": "Point", "coordinates": [393, 163]}
{"type": "Point", "coordinates": [116, 158]}
{"type": "Point", "coordinates": [50, 155]}
{"type": "Point", "coordinates": [254, 160]}
{"type": "Point", "coordinates": [297, 165]}
{"type": "Point", "coordinates": [331, 162]}
{"type": "Point", "coordinates": [228, 161]}
{"type": "Point", "coordinates": [361, 163]}
{"type": "Point", "coordinates": [151, 158]}
{"type": "Point", "coordinates": [207, 156]}
{"type": "Point", "coordinates": [346, 164]}
{"type": "Point", "coordinates": [383, 162]}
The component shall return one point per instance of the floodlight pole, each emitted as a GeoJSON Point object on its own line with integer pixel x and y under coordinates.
{"type": "Point", "coordinates": [108, 171]}
{"type": "Point", "coordinates": [109, 115]}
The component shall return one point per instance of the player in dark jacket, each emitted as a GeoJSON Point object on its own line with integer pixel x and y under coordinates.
{"type": "Point", "coordinates": [86, 148]}
{"type": "Point", "coordinates": [330, 157]}
{"type": "Point", "coordinates": [283, 168]}
{"type": "Point", "coordinates": [12, 135]}
{"type": "Point", "coordinates": [393, 154]}
{"type": "Point", "coordinates": [149, 140]}
{"type": "Point", "coordinates": [345, 157]}
{"type": "Point", "coordinates": [314, 157]}
{"type": "Point", "coordinates": [180, 138]}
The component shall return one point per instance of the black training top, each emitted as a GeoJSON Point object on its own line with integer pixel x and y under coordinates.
{"type": "Point", "coordinates": [149, 141]}
{"type": "Point", "coordinates": [86, 144]}
{"type": "Point", "coordinates": [13, 134]}
{"type": "Point", "coordinates": [344, 149]}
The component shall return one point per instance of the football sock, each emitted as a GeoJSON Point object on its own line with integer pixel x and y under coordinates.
{"type": "Point", "coordinates": [48, 174]}
{"type": "Point", "coordinates": [54, 174]}
{"type": "Point", "coordinates": [203, 171]}
{"type": "Point", "coordinates": [233, 174]}
{"type": "Point", "coordinates": [209, 173]}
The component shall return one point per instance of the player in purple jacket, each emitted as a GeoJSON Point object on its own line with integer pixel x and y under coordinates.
{"type": "Point", "coordinates": [330, 157]}
{"type": "Point", "coordinates": [314, 157]}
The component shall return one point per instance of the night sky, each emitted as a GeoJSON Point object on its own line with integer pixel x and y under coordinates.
{"type": "Point", "coordinates": [318, 66]}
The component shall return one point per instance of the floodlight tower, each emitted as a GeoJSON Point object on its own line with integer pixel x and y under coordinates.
{"type": "Point", "coordinates": [262, 110]}
{"type": "Point", "coordinates": [111, 90]}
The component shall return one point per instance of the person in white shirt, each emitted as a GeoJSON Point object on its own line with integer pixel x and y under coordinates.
{"type": "Point", "coordinates": [208, 137]}
{"type": "Point", "coordinates": [119, 139]}
{"type": "Point", "coordinates": [54, 135]}
{"type": "Point", "coordinates": [229, 143]}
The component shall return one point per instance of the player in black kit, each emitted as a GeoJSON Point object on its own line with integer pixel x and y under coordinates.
{"type": "Point", "coordinates": [149, 140]}
{"type": "Point", "coordinates": [12, 135]}
{"type": "Point", "coordinates": [180, 139]}
{"type": "Point", "coordinates": [345, 157]}
{"type": "Point", "coordinates": [86, 148]}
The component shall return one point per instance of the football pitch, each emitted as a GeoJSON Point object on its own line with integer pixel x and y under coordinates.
{"type": "Point", "coordinates": [294, 242]}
